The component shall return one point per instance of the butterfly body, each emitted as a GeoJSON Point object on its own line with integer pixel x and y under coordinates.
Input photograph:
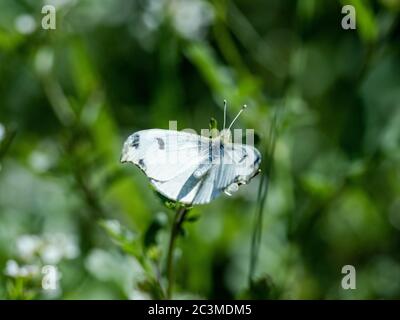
{"type": "Point", "coordinates": [189, 168]}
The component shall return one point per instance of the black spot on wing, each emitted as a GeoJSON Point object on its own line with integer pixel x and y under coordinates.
{"type": "Point", "coordinates": [135, 142]}
{"type": "Point", "coordinates": [161, 143]}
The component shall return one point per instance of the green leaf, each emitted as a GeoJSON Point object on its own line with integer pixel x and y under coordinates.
{"type": "Point", "coordinates": [122, 236]}
{"type": "Point", "coordinates": [193, 218]}
{"type": "Point", "coordinates": [5, 143]}
{"type": "Point", "coordinates": [261, 288]}
{"type": "Point", "coordinates": [159, 222]}
{"type": "Point", "coordinates": [152, 287]}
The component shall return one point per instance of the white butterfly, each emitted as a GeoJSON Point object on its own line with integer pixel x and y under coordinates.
{"type": "Point", "coordinates": [190, 168]}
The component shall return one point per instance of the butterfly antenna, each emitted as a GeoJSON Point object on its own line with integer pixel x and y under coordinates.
{"type": "Point", "coordinates": [237, 116]}
{"type": "Point", "coordinates": [224, 114]}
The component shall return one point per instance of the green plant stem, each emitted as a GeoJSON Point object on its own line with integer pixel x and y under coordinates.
{"type": "Point", "coordinates": [176, 225]}
{"type": "Point", "coordinates": [261, 199]}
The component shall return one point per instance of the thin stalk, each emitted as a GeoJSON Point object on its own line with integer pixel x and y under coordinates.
{"type": "Point", "coordinates": [261, 199]}
{"type": "Point", "coordinates": [176, 225]}
{"type": "Point", "coordinates": [6, 143]}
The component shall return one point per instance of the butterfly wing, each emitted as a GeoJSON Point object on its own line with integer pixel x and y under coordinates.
{"type": "Point", "coordinates": [189, 168]}
{"type": "Point", "coordinates": [223, 166]}
{"type": "Point", "coordinates": [164, 154]}
{"type": "Point", "coordinates": [236, 164]}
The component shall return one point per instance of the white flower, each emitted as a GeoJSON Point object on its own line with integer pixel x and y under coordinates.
{"type": "Point", "coordinates": [39, 161]}
{"type": "Point", "coordinates": [51, 248]}
{"type": "Point", "coordinates": [153, 14]}
{"type": "Point", "coordinates": [51, 254]}
{"type": "Point", "coordinates": [29, 271]}
{"type": "Point", "coordinates": [26, 271]}
{"type": "Point", "coordinates": [58, 246]}
{"type": "Point", "coordinates": [71, 250]}
{"type": "Point", "coordinates": [191, 17]}
{"type": "Point", "coordinates": [25, 24]}
{"type": "Point", "coordinates": [12, 268]}
{"type": "Point", "coordinates": [44, 60]}
{"type": "Point", "coordinates": [28, 246]}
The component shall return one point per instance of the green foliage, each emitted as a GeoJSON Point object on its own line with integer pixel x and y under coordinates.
{"type": "Point", "coordinates": [123, 237]}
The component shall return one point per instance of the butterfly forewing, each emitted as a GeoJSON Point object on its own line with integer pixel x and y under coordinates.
{"type": "Point", "coordinates": [164, 154]}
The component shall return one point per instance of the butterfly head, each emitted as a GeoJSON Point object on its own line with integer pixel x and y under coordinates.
{"type": "Point", "coordinates": [225, 136]}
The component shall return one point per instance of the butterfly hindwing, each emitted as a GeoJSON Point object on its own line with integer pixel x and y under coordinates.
{"type": "Point", "coordinates": [233, 163]}
{"type": "Point", "coordinates": [237, 165]}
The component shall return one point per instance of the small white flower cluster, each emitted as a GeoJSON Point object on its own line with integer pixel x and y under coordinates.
{"type": "Point", "coordinates": [51, 248]}
{"type": "Point", "coordinates": [41, 250]}
{"type": "Point", "coordinates": [25, 24]}
{"type": "Point", "coordinates": [26, 271]}
{"type": "Point", "coordinates": [189, 18]}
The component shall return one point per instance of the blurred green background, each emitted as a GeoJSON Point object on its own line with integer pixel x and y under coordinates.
{"type": "Point", "coordinates": [69, 98]}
